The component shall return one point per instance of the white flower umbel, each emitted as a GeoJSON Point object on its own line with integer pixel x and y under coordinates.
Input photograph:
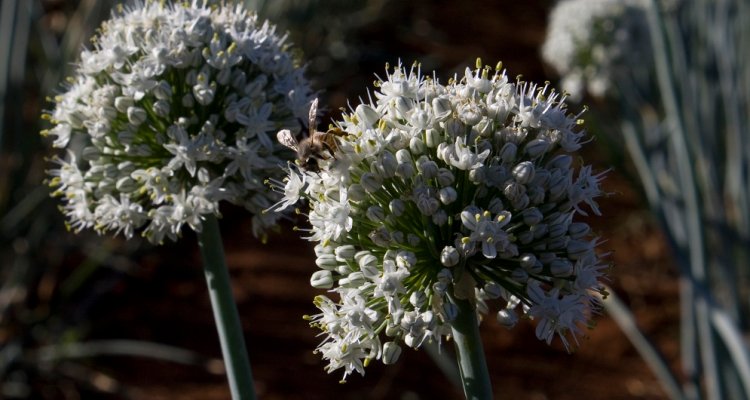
{"type": "Point", "coordinates": [444, 198]}
{"type": "Point", "coordinates": [588, 40]}
{"type": "Point", "coordinates": [172, 111]}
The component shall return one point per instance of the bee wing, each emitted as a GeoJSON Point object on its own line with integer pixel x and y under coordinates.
{"type": "Point", "coordinates": [286, 138]}
{"type": "Point", "coordinates": [313, 116]}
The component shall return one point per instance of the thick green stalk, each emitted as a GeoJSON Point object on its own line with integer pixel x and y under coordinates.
{"type": "Point", "coordinates": [225, 311]}
{"type": "Point", "coordinates": [470, 353]}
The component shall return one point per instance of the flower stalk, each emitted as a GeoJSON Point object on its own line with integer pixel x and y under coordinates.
{"type": "Point", "coordinates": [227, 319]}
{"type": "Point", "coordinates": [475, 376]}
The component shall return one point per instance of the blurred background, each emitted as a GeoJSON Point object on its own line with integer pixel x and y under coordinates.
{"type": "Point", "coordinates": [90, 317]}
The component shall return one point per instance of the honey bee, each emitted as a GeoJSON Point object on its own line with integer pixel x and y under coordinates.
{"type": "Point", "coordinates": [315, 147]}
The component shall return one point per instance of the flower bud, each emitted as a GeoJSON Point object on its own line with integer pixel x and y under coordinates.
{"type": "Point", "coordinates": [392, 330]}
{"type": "Point", "coordinates": [136, 115]}
{"type": "Point", "coordinates": [577, 249]}
{"type": "Point", "coordinates": [418, 299]}
{"type": "Point", "coordinates": [448, 195]}
{"type": "Point", "coordinates": [370, 182]}
{"type": "Point", "coordinates": [161, 108]}
{"type": "Point", "coordinates": [445, 276]}
{"type": "Point", "coordinates": [126, 185]}
{"type": "Point", "coordinates": [496, 206]}
{"type": "Point", "coordinates": [470, 114]}
{"type": "Point", "coordinates": [319, 250]}
{"type": "Point", "coordinates": [375, 214]}
{"type": "Point", "coordinates": [322, 279]}
{"type": "Point", "coordinates": [427, 168]}
{"type": "Point", "coordinates": [353, 280]}
{"type": "Point", "coordinates": [492, 290]}
{"type": "Point", "coordinates": [449, 257]}
{"type": "Point", "coordinates": [326, 261]}
{"type": "Point", "coordinates": [439, 288]}
{"type": "Point", "coordinates": [397, 207]}
{"type": "Point", "coordinates": [442, 108]}
{"type": "Point", "coordinates": [477, 175]}
{"type": "Point", "coordinates": [163, 91]}
{"type": "Point", "coordinates": [454, 128]}
{"type": "Point", "coordinates": [416, 145]}
{"type": "Point", "coordinates": [535, 194]}
{"type": "Point", "coordinates": [561, 268]}
{"type": "Point", "coordinates": [528, 261]}
{"type": "Point", "coordinates": [524, 172]}
{"type": "Point", "coordinates": [204, 92]}
{"type": "Point", "coordinates": [403, 105]}
{"type": "Point", "coordinates": [558, 243]}
{"type": "Point", "coordinates": [403, 156]}
{"type": "Point", "coordinates": [433, 138]}
{"type": "Point", "coordinates": [426, 204]}
{"type": "Point", "coordinates": [405, 170]}
{"type": "Point", "coordinates": [470, 218]}
{"type": "Point", "coordinates": [391, 353]}
{"type": "Point", "coordinates": [367, 260]}
{"type": "Point", "coordinates": [578, 230]}
{"type": "Point", "coordinates": [187, 101]}
{"type": "Point", "coordinates": [507, 318]}
{"type": "Point", "coordinates": [367, 115]}
{"type": "Point", "coordinates": [519, 275]}
{"type": "Point", "coordinates": [520, 202]}
{"type": "Point", "coordinates": [420, 119]}
{"type": "Point", "coordinates": [380, 236]}
{"type": "Point", "coordinates": [122, 103]}
{"type": "Point", "coordinates": [406, 259]}
{"type": "Point", "coordinates": [356, 192]}
{"type": "Point", "coordinates": [558, 187]}
{"type": "Point", "coordinates": [560, 161]}
{"type": "Point", "coordinates": [445, 177]}
{"type": "Point", "coordinates": [439, 217]}
{"type": "Point", "coordinates": [525, 237]}
{"type": "Point", "coordinates": [537, 147]}
{"type": "Point", "coordinates": [508, 153]}
{"type": "Point", "coordinates": [344, 253]}
{"type": "Point", "coordinates": [557, 230]}
{"type": "Point", "coordinates": [532, 216]}
{"type": "Point", "coordinates": [388, 163]}
{"type": "Point", "coordinates": [514, 190]}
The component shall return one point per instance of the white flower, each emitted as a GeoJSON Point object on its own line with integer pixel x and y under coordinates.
{"type": "Point", "coordinates": [588, 40]}
{"type": "Point", "coordinates": [442, 192]}
{"type": "Point", "coordinates": [175, 105]}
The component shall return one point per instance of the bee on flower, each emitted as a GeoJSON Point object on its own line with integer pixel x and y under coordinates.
{"type": "Point", "coordinates": [440, 193]}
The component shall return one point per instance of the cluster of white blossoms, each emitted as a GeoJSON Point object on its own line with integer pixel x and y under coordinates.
{"type": "Point", "coordinates": [171, 112]}
{"type": "Point", "coordinates": [588, 42]}
{"type": "Point", "coordinates": [444, 192]}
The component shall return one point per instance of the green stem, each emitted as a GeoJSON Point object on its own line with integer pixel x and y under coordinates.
{"type": "Point", "coordinates": [470, 354]}
{"type": "Point", "coordinates": [225, 311]}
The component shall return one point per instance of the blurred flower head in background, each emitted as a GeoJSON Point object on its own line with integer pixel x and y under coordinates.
{"type": "Point", "coordinates": [588, 40]}
{"type": "Point", "coordinates": [444, 192]}
{"type": "Point", "coordinates": [170, 113]}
